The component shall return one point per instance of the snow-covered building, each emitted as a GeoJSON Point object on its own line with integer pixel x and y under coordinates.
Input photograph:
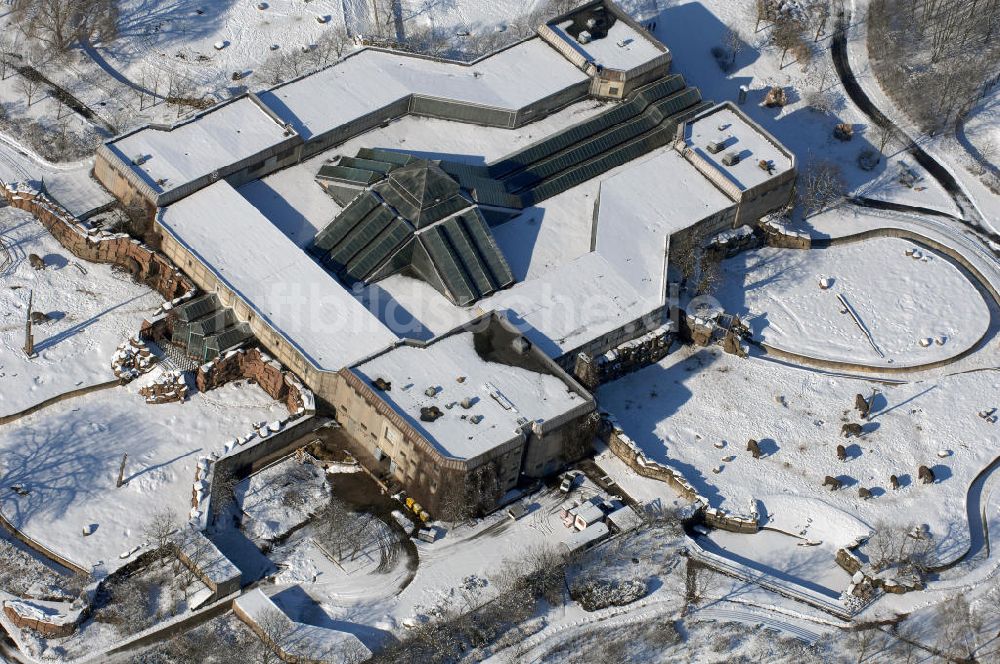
{"type": "Point", "coordinates": [606, 43]}
{"type": "Point", "coordinates": [418, 245]}
{"type": "Point", "coordinates": [296, 641]}
{"type": "Point", "coordinates": [466, 415]}
{"type": "Point", "coordinates": [255, 134]}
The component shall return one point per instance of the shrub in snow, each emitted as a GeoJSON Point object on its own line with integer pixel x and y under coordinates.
{"type": "Point", "coordinates": [599, 594]}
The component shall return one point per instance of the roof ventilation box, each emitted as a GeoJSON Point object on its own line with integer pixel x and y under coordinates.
{"type": "Point", "coordinates": [731, 159]}
{"type": "Point", "coordinates": [521, 345]}
{"type": "Point", "coordinates": [382, 384]}
{"type": "Point", "coordinates": [430, 413]}
{"type": "Point", "coordinates": [716, 147]}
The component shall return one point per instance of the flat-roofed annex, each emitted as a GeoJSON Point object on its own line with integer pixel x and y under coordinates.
{"type": "Point", "coordinates": [725, 125]}
{"type": "Point", "coordinates": [168, 157]}
{"type": "Point", "coordinates": [504, 399]}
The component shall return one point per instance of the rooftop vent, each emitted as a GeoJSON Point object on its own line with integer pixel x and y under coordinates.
{"type": "Point", "coordinates": [476, 419]}
{"type": "Point", "coordinates": [431, 391]}
{"type": "Point", "coordinates": [521, 345]}
{"type": "Point", "coordinates": [716, 147]}
{"type": "Point", "coordinates": [430, 413]}
{"type": "Point", "coordinates": [382, 384]}
{"type": "Point", "coordinates": [467, 403]}
{"type": "Point", "coordinates": [584, 37]}
{"type": "Point", "coordinates": [140, 159]}
{"type": "Point", "coordinates": [731, 159]}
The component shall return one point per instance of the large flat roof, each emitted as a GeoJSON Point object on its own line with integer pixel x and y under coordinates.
{"type": "Point", "coordinates": [206, 143]}
{"type": "Point", "coordinates": [644, 204]}
{"type": "Point", "coordinates": [506, 397]}
{"type": "Point", "coordinates": [622, 48]}
{"type": "Point", "coordinates": [297, 297]}
{"type": "Point", "coordinates": [567, 307]}
{"type": "Point", "coordinates": [372, 79]}
{"type": "Point", "coordinates": [739, 135]}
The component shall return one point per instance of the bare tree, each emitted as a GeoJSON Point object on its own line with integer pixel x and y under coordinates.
{"type": "Point", "coordinates": [273, 630]}
{"type": "Point", "coordinates": [883, 134]}
{"type": "Point", "coordinates": [864, 641]}
{"type": "Point", "coordinates": [787, 36]}
{"type": "Point", "coordinates": [332, 45]}
{"type": "Point", "coordinates": [822, 184]}
{"type": "Point", "coordinates": [28, 85]}
{"type": "Point", "coordinates": [197, 549]}
{"type": "Point", "coordinates": [159, 531]}
{"type": "Point", "coordinates": [61, 24]}
{"type": "Point", "coordinates": [734, 45]}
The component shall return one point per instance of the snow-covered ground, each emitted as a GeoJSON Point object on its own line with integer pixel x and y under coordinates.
{"type": "Point", "coordinates": [905, 295]}
{"type": "Point", "coordinates": [68, 455]}
{"type": "Point", "coordinates": [982, 127]}
{"type": "Point", "coordinates": [93, 309]}
{"type": "Point", "coordinates": [280, 498]}
{"type": "Point", "coordinates": [458, 565]}
{"type": "Point", "coordinates": [680, 409]}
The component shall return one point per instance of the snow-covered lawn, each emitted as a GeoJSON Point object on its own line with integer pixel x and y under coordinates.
{"type": "Point", "coordinates": [68, 456]}
{"type": "Point", "coordinates": [680, 409]}
{"type": "Point", "coordinates": [93, 309]}
{"type": "Point", "coordinates": [903, 300]}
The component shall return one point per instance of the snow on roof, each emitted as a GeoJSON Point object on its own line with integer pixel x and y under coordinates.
{"type": "Point", "coordinates": [297, 297]}
{"type": "Point", "coordinates": [505, 397]}
{"type": "Point", "coordinates": [302, 640]}
{"type": "Point", "coordinates": [589, 513]}
{"type": "Point", "coordinates": [642, 205]}
{"type": "Point", "coordinates": [625, 519]}
{"type": "Point", "coordinates": [587, 536]}
{"type": "Point", "coordinates": [203, 553]}
{"type": "Point", "coordinates": [577, 302]}
{"type": "Point", "coordinates": [741, 136]}
{"type": "Point", "coordinates": [212, 140]}
{"type": "Point", "coordinates": [371, 79]}
{"type": "Point", "coordinates": [623, 48]}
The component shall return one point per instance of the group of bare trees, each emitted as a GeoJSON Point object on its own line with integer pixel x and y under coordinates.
{"type": "Point", "coordinates": [345, 533]}
{"type": "Point", "coordinates": [933, 57]}
{"type": "Point", "coordinates": [461, 627]}
{"type": "Point", "coordinates": [283, 66]}
{"type": "Point", "coordinates": [61, 24]}
{"type": "Point", "coordinates": [793, 26]}
{"type": "Point", "coordinates": [821, 185]}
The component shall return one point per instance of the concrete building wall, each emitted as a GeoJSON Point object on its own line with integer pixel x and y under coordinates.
{"type": "Point", "coordinates": [406, 456]}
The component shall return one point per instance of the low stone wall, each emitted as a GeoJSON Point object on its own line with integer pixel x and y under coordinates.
{"type": "Point", "coordinates": [625, 358]}
{"type": "Point", "coordinates": [625, 449]}
{"type": "Point", "coordinates": [257, 367]}
{"type": "Point", "coordinates": [146, 265]}
{"type": "Point", "coordinates": [41, 548]}
{"type": "Point", "coordinates": [847, 561]}
{"type": "Point", "coordinates": [780, 237]}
